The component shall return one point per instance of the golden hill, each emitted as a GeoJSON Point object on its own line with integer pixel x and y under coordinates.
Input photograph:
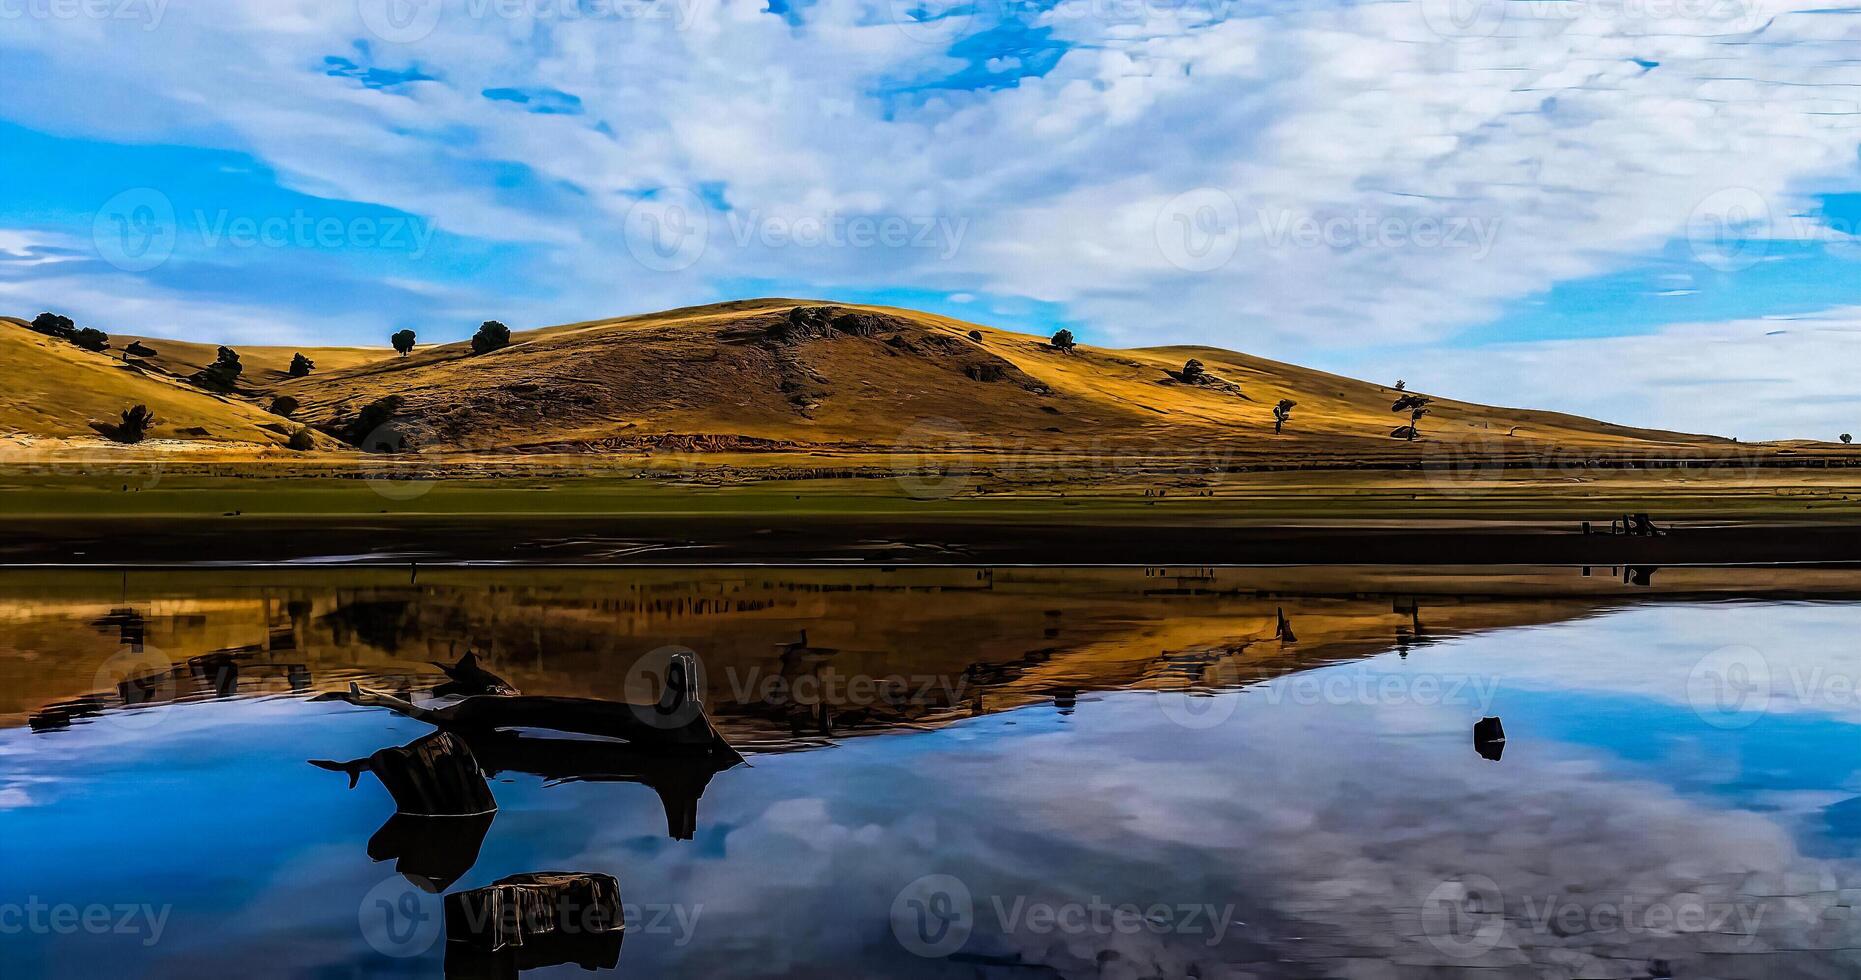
{"type": "Point", "coordinates": [783, 373]}
{"type": "Point", "coordinates": [56, 391]}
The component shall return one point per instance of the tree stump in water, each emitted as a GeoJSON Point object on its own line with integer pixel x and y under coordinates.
{"type": "Point", "coordinates": [546, 913]}
{"type": "Point", "coordinates": [434, 776]}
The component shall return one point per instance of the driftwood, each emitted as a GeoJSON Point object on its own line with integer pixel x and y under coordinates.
{"type": "Point", "coordinates": [467, 679]}
{"type": "Point", "coordinates": [434, 776]}
{"type": "Point", "coordinates": [551, 917]}
{"type": "Point", "coordinates": [679, 780]}
{"type": "Point", "coordinates": [677, 723]}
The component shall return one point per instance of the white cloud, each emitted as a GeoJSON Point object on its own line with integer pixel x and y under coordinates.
{"type": "Point", "coordinates": [1442, 178]}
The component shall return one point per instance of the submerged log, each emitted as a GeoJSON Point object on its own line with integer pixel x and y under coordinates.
{"type": "Point", "coordinates": [434, 776]}
{"type": "Point", "coordinates": [433, 852]}
{"type": "Point", "coordinates": [676, 723]}
{"type": "Point", "coordinates": [530, 910]}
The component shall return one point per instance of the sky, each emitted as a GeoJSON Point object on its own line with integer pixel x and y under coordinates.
{"type": "Point", "coordinates": [1639, 210]}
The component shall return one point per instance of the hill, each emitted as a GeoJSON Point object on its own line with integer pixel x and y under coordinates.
{"type": "Point", "coordinates": [57, 391]}
{"type": "Point", "coordinates": [796, 374]}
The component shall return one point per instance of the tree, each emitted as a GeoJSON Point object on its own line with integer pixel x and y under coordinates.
{"type": "Point", "coordinates": [1846, 438]}
{"type": "Point", "coordinates": [284, 405]}
{"type": "Point", "coordinates": [224, 372]}
{"type": "Point", "coordinates": [1282, 413]}
{"type": "Point", "coordinates": [491, 336]}
{"type": "Point", "coordinates": [976, 335]}
{"type": "Point", "coordinates": [1412, 431]}
{"type": "Point", "coordinates": [1193, 372]}
{"type": "Point", "coordinates": [54, 325]}
{"type": "Point", "coordinates": [1063, 340]}
{"type": "Point", "coordinates": [301, 366]}
{"type": "Point", "coordinates": [91, 339]}
{"type": "Point", "coordinates": [362, 431]}
{"type": "Point", "coordinates": [135, 424]}
{"type": "Point", "coordinates": [1410, 402]}
{"type": "Point", "coordinates": [137, 348]}
{"type": "Point", "coordinates": [403, 342]}
{"type": "Point", "coordinates": [1401, 384]}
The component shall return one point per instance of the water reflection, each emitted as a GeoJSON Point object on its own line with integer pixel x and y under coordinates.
{"type": "Point", "coordinates": [950, 772]}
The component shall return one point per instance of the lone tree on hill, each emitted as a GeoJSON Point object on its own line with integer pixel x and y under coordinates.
{"type": "Point", "coordinates": [54, 325]}
{"type": "Point", "coordinates": [976, 335]}
{"type": "Point", "coordinates": [91, 339]}
{"type": "Point", "coordinates": [1401, 385]}
{"type": "Point", "coordinates": [1846, 438]}
{"type": "Point", "coordinates": [403, 342]}
{"type": "Point", "coordinates": [1410, 402]}
{"type": "Point", "coordinates": [1281, 413]}
{"type": "Point", "coordinates": [1063, 341]}
{"type": "Point", "coordinates": [1193, 372]}
{"type": "Point", "coordinates": [301, 366]}
{"type": "Point", "coordinates": [491, 336]}
{"type": "Point", "coordinates": [135, 424]}
{"type": "Point", "coordinates": [224, 372]}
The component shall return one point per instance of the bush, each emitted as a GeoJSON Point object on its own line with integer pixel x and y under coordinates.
{"type": "Point", "coordinates": [1846, 438]}
{"type": "Point", "coordinates": [137, 348]}
{"type": "Point", "coordinates": [403, 342]}
{"type": "Point", "coordinates": [301, 366]}
{"type": "Point", "coordinates": [224, 372]}
{"type": "Point", "coordinates": [491, 336]}
{"type": "Point", "coordinates": [284, 405]}
{"type": "Point", "coordinates": [135, 424]}
{"type": "Point", "coordinates": [91, 339]}
{"type": "Point", "coordinates": [54, 325]}
{"type": "Point", "coordinates": [976, 335]}
{"type": "Point", "coordinates": [361, 430]}
{"type": "Point", "coordinates": [1193, 371]}
{"type": "Point", "coordinates": [301, 440]}
{"type": "Point", "coordinates": [1063, 340]}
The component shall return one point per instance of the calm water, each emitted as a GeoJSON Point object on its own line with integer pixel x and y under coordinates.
{"type": "Point", "coordinates": [1110, 773]}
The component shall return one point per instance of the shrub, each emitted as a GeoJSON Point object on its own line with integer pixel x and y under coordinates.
{"type": "Point", "coordinates": [54, 325]}
{"type": "Point", "coordinates": [1063, 340]}
{"type": "Point", "coordinates": [403, 342]}
{"type": "Point", "coordinates": [284, 405]}
{"type": "Point", "coordinates": [91, 339]}
{"type": "Point", "coordinates": [361, 430]}
{"type": "Point", "coordinates": [1193, 372]}
{"type": "Point", "coordinates": [224, 372]}
{"type": "Point", "coordinates": [976, 335]}
{"type": "Point", "coordinates": [137, 348]}
{"type": "Point", "coordinates": [301, 440]}
{"type": "Point", "coordinates": [1846, 438]}
{"type": "Point", "coordinates": [491, 336]}
{"type": "Point", "coordinates": [1282, 413]}
{"type": "Point", "coordinates": [301, 366]}
{"type": "Point", "coordinates": [135, 424]}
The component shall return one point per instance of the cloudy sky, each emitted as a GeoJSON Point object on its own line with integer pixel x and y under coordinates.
{"type": "Point", "coordinates": [1644, 210]}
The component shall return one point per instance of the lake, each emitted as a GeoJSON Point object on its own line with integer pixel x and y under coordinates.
{"type": "Point", "coordinates": [953, 771]}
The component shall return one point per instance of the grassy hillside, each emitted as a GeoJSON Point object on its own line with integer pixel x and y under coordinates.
{"type": "Point", "coordinates": [793, 373]}
{"type": "Point", "coordinates": [799, 375]}
{"type": "Point", "coordinates": [56, 391]}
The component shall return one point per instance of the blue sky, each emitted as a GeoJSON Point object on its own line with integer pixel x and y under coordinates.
{"type": "Point", "coordinates": [1644, 212]}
